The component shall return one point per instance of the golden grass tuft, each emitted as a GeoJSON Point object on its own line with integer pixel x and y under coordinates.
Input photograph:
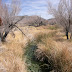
{"type": "Point", "coordinates": [58, 54]}
{"type": "Point", "coordinates": [10, 63]}
{"type": "Point", "coordinates": [11, 57]}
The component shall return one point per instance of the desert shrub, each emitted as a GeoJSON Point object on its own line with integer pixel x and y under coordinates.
{"type": "Point", "coordinates": [53, 27]}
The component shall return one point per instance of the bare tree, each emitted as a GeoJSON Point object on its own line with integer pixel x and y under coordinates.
{"type": "Point", "coordinates": [36, 21]}
{"type": "Point", "coordinates": [62, 14]}
{"type": "Point", "coordinates": [8, 12]}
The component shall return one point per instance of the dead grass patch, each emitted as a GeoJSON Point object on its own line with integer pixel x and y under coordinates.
{"type": "Point", "coordinates": [57, 53]}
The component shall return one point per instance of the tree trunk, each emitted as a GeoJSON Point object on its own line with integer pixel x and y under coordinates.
{"type": "Point", "coordinates": [4, 36]}
{"type": "Point", "coordinates": [67, 35]}
{"type": "Point", "coordinates": [71, 36]}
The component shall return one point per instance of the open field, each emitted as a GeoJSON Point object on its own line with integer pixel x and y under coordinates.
{"type": "Point", "coordinates": [43, 48]}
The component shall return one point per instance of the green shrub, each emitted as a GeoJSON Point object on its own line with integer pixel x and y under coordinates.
{"type": "Point", "coordinates": [53, 27]}
{"type": "Point", "coordinates": [32, 64]}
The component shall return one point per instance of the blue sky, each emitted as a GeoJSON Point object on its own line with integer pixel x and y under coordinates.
{"type": "Point", "coordinates": [35, 7]}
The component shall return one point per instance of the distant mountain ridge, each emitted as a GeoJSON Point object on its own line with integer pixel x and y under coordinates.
{"type": "Point", "coordinates": [52, 21]}
{"type": "Point", "coordinates": [34, 21]}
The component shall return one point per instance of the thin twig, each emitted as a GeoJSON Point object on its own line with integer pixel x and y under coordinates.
{"type": "Point", "coordinates": [21, 31]}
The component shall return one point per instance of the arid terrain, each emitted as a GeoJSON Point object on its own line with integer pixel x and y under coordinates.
{"type": "Point", "coordinates": [49, 50]}
{"type": "Point", "coordinates": [35, 35]}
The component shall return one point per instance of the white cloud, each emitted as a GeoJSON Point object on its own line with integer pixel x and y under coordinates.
{"type": "Point", "coordinates": [36, 7]}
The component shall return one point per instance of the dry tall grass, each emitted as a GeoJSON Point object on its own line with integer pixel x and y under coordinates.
{"type": "Point", "coordinates": [49, 45]}
{"type": "Point", "coordinates": [11, 56]}
{"type": "Point", "coordinates": [10, 63]}
{"type": "Point", "coordinates": [58, 53]}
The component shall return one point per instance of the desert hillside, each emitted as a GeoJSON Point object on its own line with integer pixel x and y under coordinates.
{"type": "Point", "coordinates": [33, 20]}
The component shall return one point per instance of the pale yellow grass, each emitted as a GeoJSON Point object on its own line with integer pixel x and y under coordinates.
{"type": "Point", "coordinates": [10, 63]}
{"type": "Point", "coordinates": [11, 58]}
{"type": "Point", "coordinates": [57, 52]}
{"type": "Point", "coordinates": [16, 44]}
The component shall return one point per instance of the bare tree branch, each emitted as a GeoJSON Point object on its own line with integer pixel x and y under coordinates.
{"type": "Point", "coordinates": [19, 20]}
{"type": "Point", "coordinates": [20, 29]}
{"type": "Point", "coordinates": [62, 13]}
{"type": "Point", "coordinates": [8, 13]}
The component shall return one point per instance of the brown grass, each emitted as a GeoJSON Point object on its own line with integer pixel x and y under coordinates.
{"type": "Point", "coordinates": [58, 53]}
{"type": "Point", "coordinates": [49, 45]}
{"type": "Point", "coordinates": [10, 63]}
{"type": "Point", "coordinates": [11, 57]}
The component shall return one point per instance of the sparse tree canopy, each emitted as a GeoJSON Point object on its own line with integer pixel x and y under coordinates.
{"type": "Point", "coordinates": [62, 13]}
{"type": "Point", "coordinates": [8, 12]}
